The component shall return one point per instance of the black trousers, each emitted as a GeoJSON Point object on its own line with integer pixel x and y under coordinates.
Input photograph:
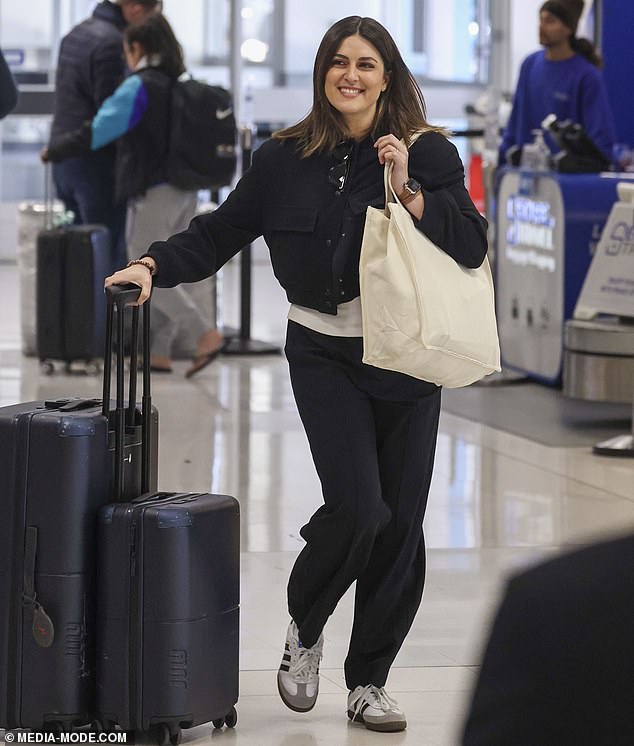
{"type": "Point", "coordinates": [372, 434]}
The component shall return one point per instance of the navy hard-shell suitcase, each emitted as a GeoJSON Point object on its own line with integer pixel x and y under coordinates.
{"type": "Point", "coordinates": [72, 262]}
{"type": "Point", "coordinates": [57, 468]}
{"type": "Point", "coordinates": [53, 480]}
{"type": "Point", "coordinates": [168, 628]}
{"type": "Point", "coordinates": [169, 594]}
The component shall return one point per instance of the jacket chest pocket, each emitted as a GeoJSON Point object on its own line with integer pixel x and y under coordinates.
{"type": "Point", "coordinates": [289, 234]}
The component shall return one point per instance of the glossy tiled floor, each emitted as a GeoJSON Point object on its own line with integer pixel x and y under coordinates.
{"type": "Point", "coordinates": [497, 503]}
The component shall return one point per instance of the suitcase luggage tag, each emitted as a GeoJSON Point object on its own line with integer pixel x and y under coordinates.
{"type": "Point", "coordinates": [41, 626]}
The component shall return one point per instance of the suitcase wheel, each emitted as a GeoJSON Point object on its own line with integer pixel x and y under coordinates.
{"type": "Point", "coordinates": [107, 726]}
{"type": "Point", "coordinates": [165, 734]}
{"type": "Point", "coordinates": [57, 727]}
{"type": "Point", "coordinates": [232, 718]}
{"type": "Point", "coordinates": [229, 720]}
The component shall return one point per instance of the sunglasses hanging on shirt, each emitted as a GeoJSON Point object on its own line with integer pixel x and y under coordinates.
{"type": "Point", "coordinates": [338, 173]}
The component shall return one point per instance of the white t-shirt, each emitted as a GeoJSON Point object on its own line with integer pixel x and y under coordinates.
{"type": "Point", "coordinates": [347, 322]}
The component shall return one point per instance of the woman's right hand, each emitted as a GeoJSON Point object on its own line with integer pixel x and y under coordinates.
{"type": "Point", "coordinates": [137, 274]}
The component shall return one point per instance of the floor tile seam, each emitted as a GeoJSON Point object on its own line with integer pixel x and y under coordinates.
{"type": "Point", "coordinates": [585, 483]}
{"type": "Point", "coordinates": [497, 431]}
{"type": "Point", "coordinates": [332, 681]}
{"type": "Point", "coordinates": [402, 688]}
{"type": "Point", "coordinates": [553, 471]}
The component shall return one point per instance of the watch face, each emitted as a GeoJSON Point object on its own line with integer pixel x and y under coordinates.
{"type": "Point", "coordinates": [412, 186]}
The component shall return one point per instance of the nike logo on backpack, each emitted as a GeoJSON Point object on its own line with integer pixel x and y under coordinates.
{"type": "Point", "coordinates": [223, 113]}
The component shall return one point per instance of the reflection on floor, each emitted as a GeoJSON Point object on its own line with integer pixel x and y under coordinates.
{"type": "Point", "coordinates": [497, 503]}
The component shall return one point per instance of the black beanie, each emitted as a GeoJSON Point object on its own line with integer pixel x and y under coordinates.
{"type": "Point", "coordinates": [568, 11]}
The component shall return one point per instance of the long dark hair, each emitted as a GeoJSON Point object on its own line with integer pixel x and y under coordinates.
{"type": "Point", "coordinates": [586, 49]}
{"type": "Point", "coordinates": [400, 109]}
{"type": "Point", "coordinates": [156, 36]}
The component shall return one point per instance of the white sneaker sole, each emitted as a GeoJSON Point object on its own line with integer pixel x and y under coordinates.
{"type": "Point", "coordinates": [285, 698]}
{"type": "Point", "coordinates": [392, 726]}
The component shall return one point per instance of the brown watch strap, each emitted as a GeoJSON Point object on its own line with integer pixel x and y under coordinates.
{"type": "Point", "coordinates": [406, 196]}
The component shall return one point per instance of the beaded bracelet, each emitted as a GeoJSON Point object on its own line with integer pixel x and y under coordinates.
{"type": "Point", "coordinates": [144, 263]}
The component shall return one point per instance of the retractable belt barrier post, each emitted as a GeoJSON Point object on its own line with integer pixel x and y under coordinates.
{"type": "Point", "coordinates": [243, 344]}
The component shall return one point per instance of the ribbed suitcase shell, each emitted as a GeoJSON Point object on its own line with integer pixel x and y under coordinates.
{"type": "Point", "coordinates": [72, 262]}
{"type": "Point", "coordinates": [56, 471]}
{"type": "Point", "coordinates": [57, 468]}
{"type": "Point", "coordinates": [54, 477]}
{"type": "Point", "coordinates": [168, 628]}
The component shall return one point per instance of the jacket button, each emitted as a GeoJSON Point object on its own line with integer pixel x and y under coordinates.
{"type": "Point", "coordinates": [328, 242]}
{"type": "Point", "coordinates": [327, 291]}
{"type": "Point", "coordinates": [341, 280]}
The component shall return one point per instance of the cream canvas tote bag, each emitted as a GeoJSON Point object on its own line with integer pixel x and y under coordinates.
{"type": "Point", "coordinates": [423, 313]}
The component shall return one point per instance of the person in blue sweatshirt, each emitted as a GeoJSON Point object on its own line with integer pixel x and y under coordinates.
{"type": "Point", "coordinates": [564, 79]}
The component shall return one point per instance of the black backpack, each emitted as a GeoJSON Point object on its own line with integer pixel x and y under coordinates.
{"type": "Point", "coordinates": [202, 140]}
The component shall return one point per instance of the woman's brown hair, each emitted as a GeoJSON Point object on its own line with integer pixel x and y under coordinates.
{"type": "Point", "coordinates": [400, 109]}
{"type": "Point", "coordinates": [156, 36]}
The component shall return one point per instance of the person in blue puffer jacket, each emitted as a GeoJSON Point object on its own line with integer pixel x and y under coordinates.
{"type": "Point", "coordinates": [136, 116]}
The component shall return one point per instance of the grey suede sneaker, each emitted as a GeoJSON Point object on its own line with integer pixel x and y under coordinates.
{"type": "Point", "coordinates": [373, 707]}
{"type": "Point", "coordinates": [298, 674]}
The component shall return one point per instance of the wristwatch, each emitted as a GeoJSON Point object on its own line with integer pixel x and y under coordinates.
{"type": "Point", "coordinates": [410, 189]}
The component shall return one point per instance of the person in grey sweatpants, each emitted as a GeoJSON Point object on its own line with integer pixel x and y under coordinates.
{"type": "Point", "coordinates": [163, 211]}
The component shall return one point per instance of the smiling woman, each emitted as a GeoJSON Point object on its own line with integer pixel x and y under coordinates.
{"type": "Point", "coordinates": [372, 432]}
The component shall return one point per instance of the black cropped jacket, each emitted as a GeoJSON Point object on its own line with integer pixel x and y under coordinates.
{"type": "Point", "coordinates": [289, 200]}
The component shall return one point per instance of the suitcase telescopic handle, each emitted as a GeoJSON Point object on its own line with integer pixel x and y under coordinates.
{"type": "Point", "coordinates": [119, 297]}
{"type": "Point", "coordinates": [123, 295]}
{"type": "Point", "coordinates": [48, 196]}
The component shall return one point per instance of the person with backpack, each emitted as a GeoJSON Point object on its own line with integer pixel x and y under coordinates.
{"type": "Point", "coordinates": [372, 432]}
{"type": "Point", "coordinates": [137, 117]}
{"type": "Point", "coordinates": [89, 68]}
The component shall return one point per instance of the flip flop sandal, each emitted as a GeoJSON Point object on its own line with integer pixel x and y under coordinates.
{"type": "Point", "coordinates": [202, 361]}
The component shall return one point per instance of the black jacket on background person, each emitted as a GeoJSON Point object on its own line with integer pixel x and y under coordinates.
{"type": "Point", "coordinates": [558, 669]}
{"type": "Point", "coordinates": [8, 89]}
{"type": "Point", "coordinates": [141, 151]}
{"type": "Point", "coordinates": [89, 68]}
{"type": "Point", "coordinates": [289, 200]}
